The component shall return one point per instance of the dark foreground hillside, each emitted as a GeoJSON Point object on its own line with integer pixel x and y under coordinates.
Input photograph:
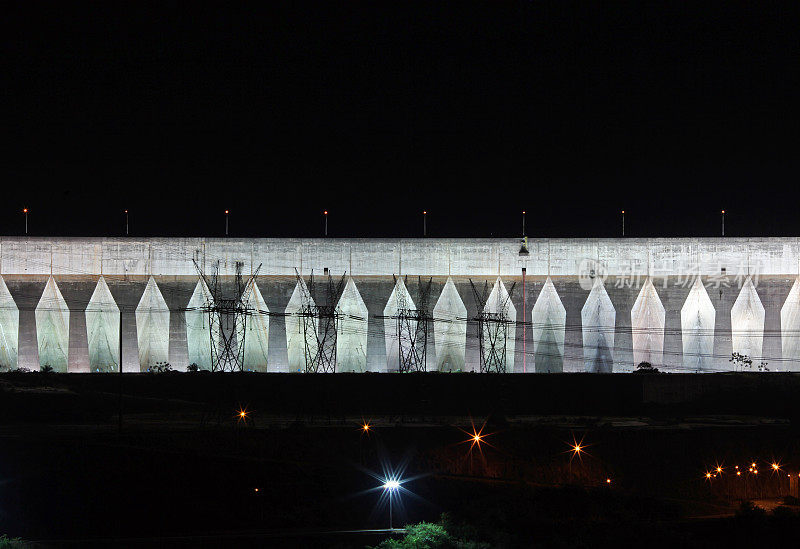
{"type": "Point", "coordinates": [181, 468]}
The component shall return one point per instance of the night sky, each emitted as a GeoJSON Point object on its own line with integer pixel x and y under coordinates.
{"type": "Point", "coordinates": [378, 111]}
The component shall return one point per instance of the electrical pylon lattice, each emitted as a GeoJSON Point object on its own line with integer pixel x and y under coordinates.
{"type": "Point", "coordinates": [494, 326]}
{"type": "Point", "coordinates": [412, 329]}
{"type": "Point", "coordinates": [227, 317]}
{"type": "Point", "coordinates": [320, 324]}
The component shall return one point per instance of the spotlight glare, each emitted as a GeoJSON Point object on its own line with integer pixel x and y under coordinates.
{"type": "Point", "coordinates": [391, 485]}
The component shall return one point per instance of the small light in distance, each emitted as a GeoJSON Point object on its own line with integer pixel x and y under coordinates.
{"type": "Point", "coordinates": [608, 481]}
{"type": "Point", "coordinates": [776, 467]}
{"type": "Point", "coordinates": [391, 485]}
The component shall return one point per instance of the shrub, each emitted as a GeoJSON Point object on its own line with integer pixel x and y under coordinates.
{"type": "Point", "coordinates": [160, 368]}
{"type": "Point", "coordinates": [427, 535]}
{"type": "Point", "coordinates": [11, 543]}
{"type": "Point", "coordinates": [646, 367]}
{"type": "Point", "coordinates": [783, 512]}
{"type": "Point", "coordinates": [747, 509]}
{"type": "Point", "coordinates": [424, 535]}
{"type": "Point", "coordinates": [791, 500]}
{"type": "Point", "coordinates": [47, 369]}
{"type": "Point", "coordinates": [192, 367]}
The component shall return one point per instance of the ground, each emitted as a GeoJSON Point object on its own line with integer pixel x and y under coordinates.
{"type": "Point", "coordinates": [183, 467]}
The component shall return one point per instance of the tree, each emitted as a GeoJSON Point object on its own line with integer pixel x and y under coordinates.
{"type": "Point", "coordinates": [646, 368]}
{"type": "Point", "coordinates": [740, 362]}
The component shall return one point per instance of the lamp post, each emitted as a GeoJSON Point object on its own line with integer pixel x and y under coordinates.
{"type": "Point", "coordinates": [391, 486]}
{"type": "Point", "coordinates": [127, 233]}
{"type": "Point", "coordinates": [523, 223]}
{"type": "Point", "coordinates": [325, 213]}
{"type": "Point", "coordinates": [425, 223]}
{"type": "Point", "coordinates": [226, 222]}
{"type": "Point", "coordinates": [623, 222]}
{"type": "Point", "coordinates": [25, 211]}
{"type": "Point", "coordinates": [723, 222]}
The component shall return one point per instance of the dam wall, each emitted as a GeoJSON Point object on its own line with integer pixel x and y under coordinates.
{"type": "Point", "coordinates": [598, 305]}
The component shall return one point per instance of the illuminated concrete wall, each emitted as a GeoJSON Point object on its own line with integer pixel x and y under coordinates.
{"type": "Point", "coordinates": [198, 332]}
{"type": "Point", "coordinates": [498, 303]}
{"type": "Point", "coordinates": [151, 283]}
{"type": "Point", "coordinates": [457, 257]}
{"type": "Point", "coordinates": [790, 329]}
{"type": "Point", "coordinates": [399, 299]}
{"type": "Point", "coordinates": [351, 335]}
{"type": "Point", "coordinates": [52, 328]}
{"type": "Point", "coordinates": [697, 329]}
{"type": "Point", "coordinates": [747, 322]}
{"type": "Point", "coordinates": [102, 329]}
{"type": "Point", "coordinates": [9, 328]}
{"type": "Point", "coordinates": [298, 336]}
{"type": "Point", "coordinates": [647, 326]}
{"type": "Point", "coordinates": [256, 339]}
{"type": "Point", "coordinates": [152, 327]}
{"type": "Point", "coordinates": [548, 319]}
{"type": "Point", "coordinates": [598, 317]}
{"type": "Point", "coordinates": [450, 329]}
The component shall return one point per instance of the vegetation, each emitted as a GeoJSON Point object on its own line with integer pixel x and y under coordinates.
{"type": "Point", "coordinates": [11, 543]}
{"type": "Point", "coordinates": [646, 368]}
{"type": "Point", "coordinates": [160, 368]}
{"type": "Point", "coordinates": [47, 369]}
{"type": "Point", "coordinates": [193, 367]}
{"type": "Point", "coordinates": [740, 362]}
{"type": "Point", "coordinates": [428, 535]}
{"type": "Point", "coordinates": [749, 510]}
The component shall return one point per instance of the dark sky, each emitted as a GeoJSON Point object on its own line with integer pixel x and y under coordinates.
{"type": "Point", "coordinates": [378, 111]}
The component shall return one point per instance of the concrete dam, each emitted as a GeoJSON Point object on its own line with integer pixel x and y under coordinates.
{"type": "Point", "coordinates": [378, 305]}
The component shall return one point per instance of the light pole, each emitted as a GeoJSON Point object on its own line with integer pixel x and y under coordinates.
{"type": "Point", "coordinates": [25, 211]}
{"type": "Point", "coordinates": [226, 222]}
{"type": "Point", "coordinates": [723, 222]}
{"type": "Point", "coordinates": [127, 233]}
{"type": "Point", "coordinates": [391, 486]}
{"type": "Point", "coordinates": [523, 223]}
{"type": "Point", "coordinates": [425, 223]}
{"type": "Point", "coordinates": [623, 222]}
{"type": "Point", "coordinates": [325, 213]}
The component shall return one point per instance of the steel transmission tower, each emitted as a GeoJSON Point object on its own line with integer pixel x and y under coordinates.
{"type": "Point", "coordinates": [227, 317]}
{"type": "Point", "coordinates": [412, 329]}
{"type": "Point", "coordinates": [493, 329]}
{"type": "Point", "coordinates": [320, 324]}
